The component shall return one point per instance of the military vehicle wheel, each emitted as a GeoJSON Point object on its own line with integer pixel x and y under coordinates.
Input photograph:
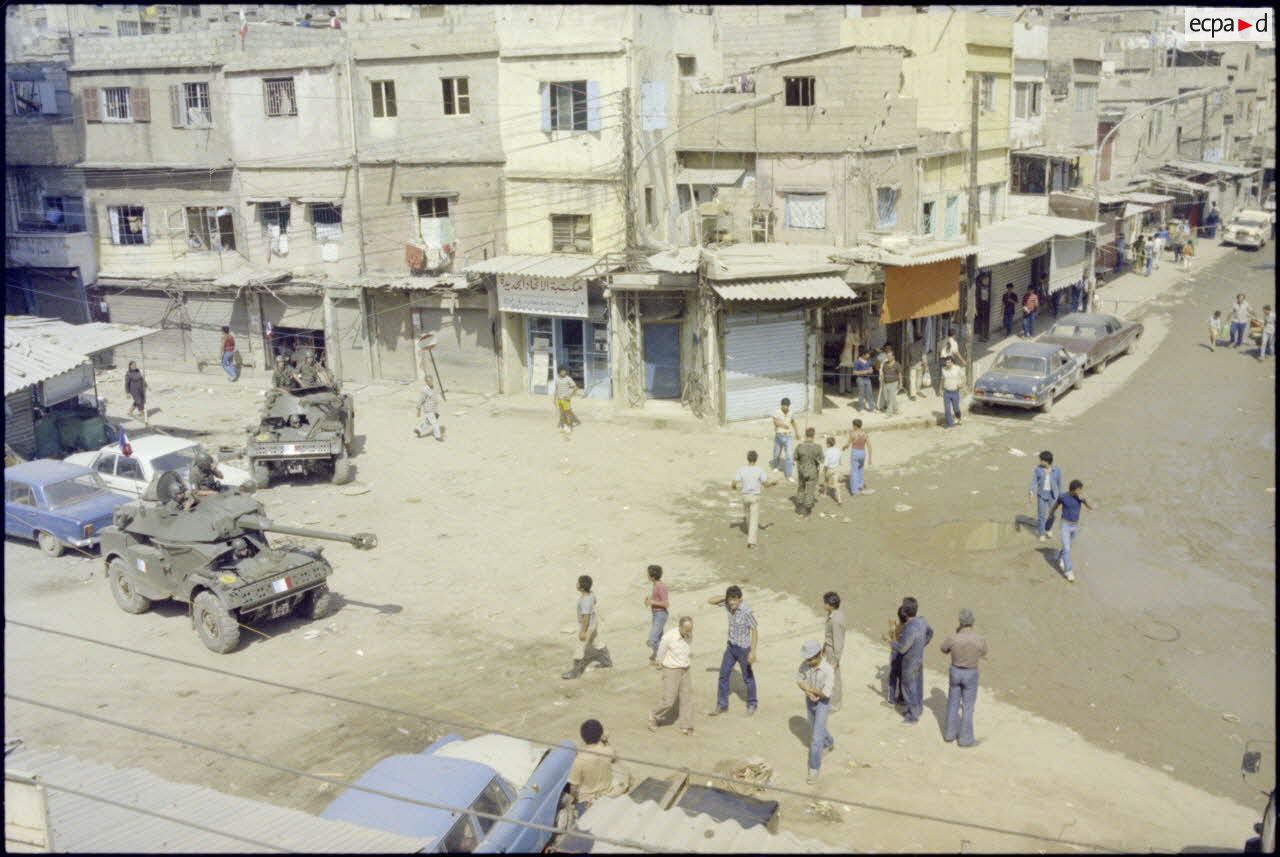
{"type": "Point", "coordinates": [261, 473]}
{"type": "Point", "coordinates": [341, 470]}
{"type": "Point", "coordinates": [217, 628]}
{"type": "Point", "coordinates": [349, 436]}
{"type": "Point", "coordinates": [316, 604]}
{"type": "Point", "coordinates": [126, 596]}
{"type": "Point", "coordinates": [50, 544]}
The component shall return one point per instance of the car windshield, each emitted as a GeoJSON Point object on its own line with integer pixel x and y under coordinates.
{"type": "Point", "coordinates": [493, 800]}
{"type": "Point", "coordinates": [1020, 363]}
{"type": "Point", "coordinates": [1255, 222]}
{"type": "Point", "coordinates": [1076, 331]}
{"type": "Point", "coordinates": [179, 460]}
{"type": "Point", "coordinates": [74, 490]}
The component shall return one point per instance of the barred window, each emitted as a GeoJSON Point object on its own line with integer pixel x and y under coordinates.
{"type": "Point", "coordinates": [128, 224]}
{"type": "Point", "coordinates": [327, 220]}
{"type": "Point", "coordinates": [210, 229]}
{"type": "Point", "coordinates": [799, 91]}
{"type": "Point", "coordinates": [274, 217]}
{"type": "Point", "coordinates": [280, 99]}
{"type": "Point", "coordinates": [116, 102]}
{"type": "Point", "coordinates": [571, 233]}
{"type": "Point", "coordinates": [196, 99]}
{"type": "Point", "coordinates": [384, 98]}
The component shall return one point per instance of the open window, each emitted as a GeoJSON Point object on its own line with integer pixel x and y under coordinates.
{"type": "Point", "coordinates": [128, 224]}
{"type": "Point", "coordinates": [210, 229]}
{"type": "Point", "coordinates": [799, 91]}
{"type": "Point", "coordinates": [570, 233]}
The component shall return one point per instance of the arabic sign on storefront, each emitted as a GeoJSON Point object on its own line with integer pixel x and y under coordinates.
{"type": "Point", "coordinates": [541, 296]}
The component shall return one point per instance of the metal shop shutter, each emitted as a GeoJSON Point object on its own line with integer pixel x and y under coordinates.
{"type": "Point", "coordinates": [20, 423]}
{"type": "Point", "coordinates": [300, 311]}
{"type": "Point", "coordinates": [464, 350]}
{"type": "Point", "coordinates": [148, 309]}
{"type": "Point", "coordinates": [1068, 262]}
{"type": "Point", "coordinates": [764, 356]}
{"type": "Point", "coordinates": [1017, 272]}
{"type": "Point", "coordinates": [207, 314]}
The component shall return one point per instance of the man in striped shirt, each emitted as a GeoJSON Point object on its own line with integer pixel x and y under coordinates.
{"type": "Point", "coordinates": [740, 649]}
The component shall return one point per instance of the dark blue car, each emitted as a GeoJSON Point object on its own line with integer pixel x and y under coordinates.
{"type": "Point", "coordinates": [57, 504]}
{"type": "Point", "coordinates": [1028, 375]}
{"type": "Point", "coordinates": [494, 774]}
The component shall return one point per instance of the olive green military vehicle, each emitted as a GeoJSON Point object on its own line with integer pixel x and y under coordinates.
{"type": "Point", "coordinates": [212, 553]}
{"type": "Point", "coordinates": [303, 430]}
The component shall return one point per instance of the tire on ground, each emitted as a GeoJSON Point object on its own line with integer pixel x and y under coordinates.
{"type": "Point", "coordinates": [49, 544]}
{"type": "Point", "coordinates": [122, 590]}
{"type": "Point", "coordinates": [217, 627]}
{"type": "Point", "coordinates": [317, 603]}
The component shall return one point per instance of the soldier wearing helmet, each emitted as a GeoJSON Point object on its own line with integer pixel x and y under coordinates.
{"type": "Point", "coordinates": [240, 548]}
{"type": "Point", "coordinates": [312, 374]}
{"type": "Point", "coordinates": [282, 377]}
{"type": "Point", "coordinates": [205, 474]}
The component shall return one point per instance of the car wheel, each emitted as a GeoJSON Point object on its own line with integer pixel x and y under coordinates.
{"type": "Point", "coordinates": [1047, 406]}
{"type": "Point", "coordinates": [218, 629]}
{"type": "Point", "coordinates": [316, 604]}
{"type": "Point", "coordinates": [50, 544]}
{"type": "Point", "coordinates": [1128, 349]}
{"type": "Point", "coordinates": [1100, 366]}
{"type": "Point", "coordinates": [975, 407]}
{"type": "Point", "coordinates": [122, 589]}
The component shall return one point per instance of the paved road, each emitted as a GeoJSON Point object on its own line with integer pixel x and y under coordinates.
{"type": "Point", "coordinates": [1170, 624]}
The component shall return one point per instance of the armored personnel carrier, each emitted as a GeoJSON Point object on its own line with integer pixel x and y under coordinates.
{"type": "Point", "coordinates": [212, 553]}
{"type": "Point", "coordinates": [304, 430]}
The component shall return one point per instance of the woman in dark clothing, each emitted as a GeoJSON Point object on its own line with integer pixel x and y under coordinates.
{"type": "Point", "coordinates": [136, 386]}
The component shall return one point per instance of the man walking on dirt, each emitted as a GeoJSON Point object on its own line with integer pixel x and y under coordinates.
{"type": "Point", "coordinates": [1046, 487]}
{"type": "Point", "coordinates": [915, 635]}
{"type": "Point", "coordinates": [566, 389]}
{"type": "Point", "coordinates": [809, 460]}
{"type": "Point", "coordinates": [751, 480]}
{"type": "Point", "coordinates": [674, 654]}
{"type": "Point", "coordinates": [740, 649]}
{"type": "Point", "coordinates": [784, 435]}
{"type": "Point", "coordinates": [833, 643]}
{"type": "Point", "coordinates": [965, 646]}
{"type": "Point", "coordinates": [588, 632]}
{"type": "Point", "coordinates": [817, 680]}
{"type": "Point", "coordinates": [229, 354]}
{"type": "Point", "coordinates": [428, 410]}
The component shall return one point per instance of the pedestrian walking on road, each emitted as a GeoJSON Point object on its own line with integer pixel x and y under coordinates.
{"type": "Point", "coordinates": [658, 603]}
{"type": "Point", "coordinates": [859, 446]}
{"type": "Point", "coordinates": [1188, 251]}
{"type": "Point", "coordinates": [784, 438]}
{"type": "Point", "coordinates": [566, 388]}
{"type": "Point", "coordinates": [1140, 252]}
{"type": "Point", "coordinates": [751, 480]}
{"type": "Point", "coordinates": [1215, 329]}
{"type": "Point", "coordinates": [588, 632]}
{"type": "Point", "coordinates": [952, 382]}
{"type": "Point", "coordinates": [847, 354]}
{"type": "Point", "coordinates": [1046, 487]}
{"type": "Point", "coordinates": [1030, 305]}
{"type": "Point", "coordinates": [833, 643]}
{"type": "Point", "coordinates": [1070, 504]}
{"type": "Point", "coordinates": [740, 649]}
{"type": "Point", "coordinates": [136, 386]}
{"type": "Point", "coordinates": [674, 653]}
{"type": "Point", "coordinates": [429, 411]}
{"type": "Point", "coordinates": [893, 686]}
{"type": "Point", "coordinates": [1212, 220]}
{"type": "Point", "coordinates": [817, 681]}
{"type": "Point", "coordinates": [863, 369]}
{"type": "Point", "coordinates": [915, 635]}
{"type": "Point", "coordinates": [1267, 344]}
{"type": "Point", "coordinates": [916, 365]}
{"type": "Point", "coordinates": [1009, 303]}
{"type": "Point", "coordinates": [596, 773]}
{"type": "Point", "coordinates": [1241, 312]}
{"type": "Point", "coordinates": [809, 458]}
{"type": "Point", "coordinates": [890, 379]}
{"type": "Point", "coordinates": [1149, 250]}
{"type": "Point", "coordinates": [229, 354]}
{"type": "Point", "coordinates": [965, 646]}
{"type": "Point", "coordinates": [831, 471]}
{"type": "Point", "coordinates": [982, 318]}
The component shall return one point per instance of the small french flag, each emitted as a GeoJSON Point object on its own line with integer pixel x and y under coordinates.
{"type": "Point", "coordinates": [125, 448]}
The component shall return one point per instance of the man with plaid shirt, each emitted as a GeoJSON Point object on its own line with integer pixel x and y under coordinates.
{"type": "Point", "coordinates": [740, 649]}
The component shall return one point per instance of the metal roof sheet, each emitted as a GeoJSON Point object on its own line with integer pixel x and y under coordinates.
{"type": "Point", "coordinates": [796, 288]}
{"type": "Point", "coordinates": [195, 819]}
{"type": "Point", "coordinates": [621, 818]}
{"type": "Point", "coordinates": [81, 339]}
{"type": "Point", "coordinates": [754, 261]}
{"type": "Point", "coordinates": [1132, 209]}
{"type": "Point", "coordinates": [684, 260]}
{"type": "Point", "coordinates": [1148, 198]}
{"type": "Point", "coordinates": [1212, 169]}
{"type": "Point", "coordinates": [996, 254]}
{"type": "Point", "coordinates": [28, 362]}
{"type": "Point", "coordinates": [717, 177]}
{"type": "Point", "coordinates": [1011, 234]}
{"type": "Point", "coordinates": [1066, 227]}
{"type": "Point", "coordinates": [1180, 183]}
{"type": "Point", "coordinates": [550, 266]}
{"type": "Point", "coordinates": [406, 282]}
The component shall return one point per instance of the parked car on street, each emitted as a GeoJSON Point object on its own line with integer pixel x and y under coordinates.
{"type": "Point", "coordinates": [57, 504]}
{"type": "Point", "coordinates": [1028, 375]}
{"type": "Point", "coordinates": [1248, 228]}
{"type": "Point", "coordinates": [152, 454]}
{"type": "Point", "coordinates": [479, 774]}
{"type": "Point", "coordinates": [1093, 338]}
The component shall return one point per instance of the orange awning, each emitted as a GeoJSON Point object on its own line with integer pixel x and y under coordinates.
{"type": "Point", "coordinates": [920, 290]}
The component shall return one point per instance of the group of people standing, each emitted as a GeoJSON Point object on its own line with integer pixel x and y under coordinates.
{"type": "Point", "coordinates": [861, 368]}
{"type": "Point", "coordinates": [1241, 315]}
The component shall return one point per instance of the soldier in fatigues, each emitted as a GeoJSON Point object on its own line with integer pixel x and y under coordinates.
{"type": "Point", "coordinates": [809, 460]}
{"type": "Point", "coordinates": [428, 407]}
{"type": "Point", "coordinates": [282, 377]}
{"type": "Point", "coordinates": [204, 475]}
{"type": "Point", "coordinates": [312, 374]}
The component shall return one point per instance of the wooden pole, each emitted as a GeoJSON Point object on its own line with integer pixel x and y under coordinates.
{"type": "Point", "coordinates": [970, 285]}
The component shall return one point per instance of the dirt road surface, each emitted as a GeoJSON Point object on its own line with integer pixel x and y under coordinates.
{"type": "Point", "coordinates": [1112, 714]}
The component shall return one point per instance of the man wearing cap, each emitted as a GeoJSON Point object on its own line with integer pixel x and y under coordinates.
{"type": "Point", "coordinates": [965, 646]}
{"type": "Point", "coordinates": [817, 680]}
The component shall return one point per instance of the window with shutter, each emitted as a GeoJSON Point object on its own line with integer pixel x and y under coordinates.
{"type": "Point", "coordinates": [90, 105]}
{"type": "Point", "coordinates": [799, 91]}
{"type": "Point", "coordinates": [568, 106]}
{"type": "Point", "coordinates": [806, 210]}
{"type": "Point", "coordinates": [176, 117]}
{"type": "Point", "coordinates": [115, 101]}
{"type": "Point", "coordinates": [886, 207]}
{"type": "Point", "coordinates": [140, 104]}
{"type": "Point", "coordinates": [1020, 95]}
{"type": "Point", "coordinates": [25, 97]}
{"type": "Point", "coordinates": [571, 233]}
{"type": "Point", "coordinates": [384, 98]}
{"type": "Point", "coordinates": [195, 101]}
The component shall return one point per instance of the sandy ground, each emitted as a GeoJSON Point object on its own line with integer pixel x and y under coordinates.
{"type": "Point", "coordinates": [1099, 729]}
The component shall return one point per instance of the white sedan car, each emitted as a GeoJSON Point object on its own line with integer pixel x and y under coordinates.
{"type": "Point", "coordinates": [151, 453]}
{"type": "Point", "coordinates": [1248, 228]}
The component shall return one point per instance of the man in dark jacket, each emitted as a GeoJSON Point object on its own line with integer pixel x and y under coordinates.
{"type": "Point", "coordinates": [915, 635]}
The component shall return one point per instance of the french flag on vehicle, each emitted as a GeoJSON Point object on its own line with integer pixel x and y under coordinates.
{"type": "Point", "coordinates": [284, 584]}
{"type": "Point", "coordinates": [125, 448]}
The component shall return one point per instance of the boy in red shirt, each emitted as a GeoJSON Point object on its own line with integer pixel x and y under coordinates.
{"type": "Point", "coordinates": [657, 602]}
{"type": "Point", "coordinates": [1030, 303]}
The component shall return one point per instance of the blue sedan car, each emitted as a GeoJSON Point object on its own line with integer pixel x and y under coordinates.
{"type": "Point", "coordinates": [478, 774]}
{"type": "Point", "coordinates": [57, 504]}
{"type": "Point", "coordinates": [1028, 375]}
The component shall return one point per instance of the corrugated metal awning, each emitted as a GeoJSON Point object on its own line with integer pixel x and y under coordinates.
{"type": "Point", "coordinates": [549, 266]}
{"type": "Point", "coordinates": [1211, 169]}
{"type": "Point", "coordinates": [716, 177]}
{"type": "Point", "coordinates": [1148, 198]}
{"type": "Point", "coordinates": [28, 362]}
{"type": "Point", "coordinates": [798, 288]}
{"type": "Point", "coordinates": [1132, 209]}
{"type": "Point", "coordinates": [1067, 227]}
{"type": "Point", "coordinates": [684, 260]}
{"type": "Point", "coordinates": [451, 282]}
{"type": "Point", "coordinates": [1180, 184]}
{"type": "Point", "coordinates": [79, 339]}
{"type": "Point", "coordinates": [997, 254]}
{"type": "Point", "coordinates": [926, 255]}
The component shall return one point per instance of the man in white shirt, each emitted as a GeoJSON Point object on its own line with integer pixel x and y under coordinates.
{"type": "Point", "coordinates": [952, 381]}
{"type": "Point", "coordinates": [830, 468]}
{"type": "Point", "coordinates": [784, 438]}
{"type": "Point", "coordinates": [677, 683]}
{"type": "Point", "coordinates": [1241, 312]}
{"type": "Point", "coordinates": [751, 480]}
{"type": "Point", "coordinates": [818, 681]}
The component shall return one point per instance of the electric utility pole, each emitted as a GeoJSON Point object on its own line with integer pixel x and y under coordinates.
{"type": "Point", "coordinates": [970, 287]}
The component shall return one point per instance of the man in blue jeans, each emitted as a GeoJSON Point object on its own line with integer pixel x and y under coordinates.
{"type": "Point", "coordinates": [1241, 312]}
{"type": "Point", "coordinates": [657, 602]}
{"type": "Point", "coordinates": [784, 438]}
{"type": "Point", "coordinates": [1046, 487]}
{"type": "Point", "coordinates": [229, 354]}
{"type": "Point", "coordinates": [952, 381]}
{"type": "Point", "coordinates": [915, 635]}
{"type": "Point", "coordinates": [740, 649]}
{"type": "Point", "coordinates": [1070, 504]}
{"type": "Point", "coordinates": [817, 679]}
{"type": "Point", "coordinates": [965, 647]}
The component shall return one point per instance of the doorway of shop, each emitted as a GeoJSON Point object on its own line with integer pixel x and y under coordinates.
{"type": "Point", "coordinates": [662, 360]}
{"type": "Point", "coordinates": [292, 341]}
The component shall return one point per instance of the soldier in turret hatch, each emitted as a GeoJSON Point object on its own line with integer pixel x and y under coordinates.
{"type": "Point", "coordinates": [312, 374]}
{"type": "Point", "coordinates": [282, 377]}
{"type": "Point", "coordinates": [205, 474]}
